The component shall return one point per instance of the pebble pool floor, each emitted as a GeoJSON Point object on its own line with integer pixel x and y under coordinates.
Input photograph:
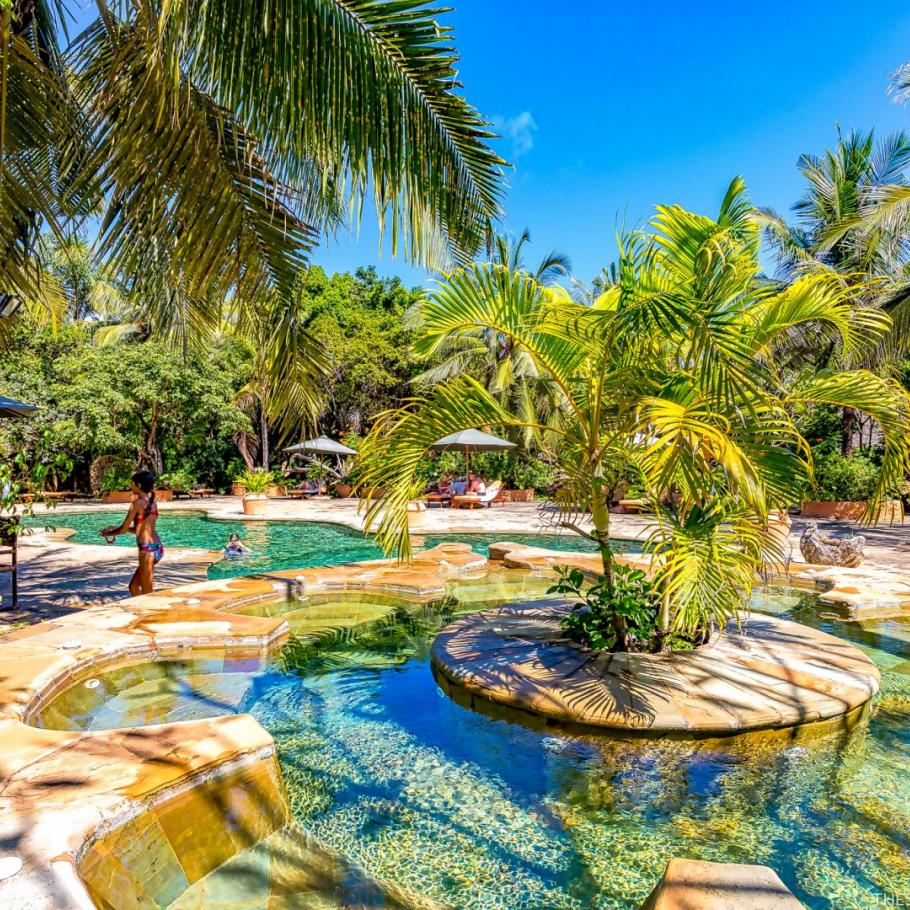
{"type": "Point", "coordinates": [282, 544]}
{"type": "Point", "coordinates": [482, 814]}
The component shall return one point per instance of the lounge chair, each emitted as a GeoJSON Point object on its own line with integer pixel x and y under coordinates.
{"type": "Point", "coordinates": [478, 500]}
{"type": "Point", "coordinates": [200, 491]}
{"type": "Point", "coordinates": [634, 506]}
{"type": "Point", "coordinates": [307, 489]}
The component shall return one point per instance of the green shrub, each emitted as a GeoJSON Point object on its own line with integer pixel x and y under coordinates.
{"type": "Point", "coordinates": [591, 621]}
{"type": "Point", "coordinates": [117, 478]}
{"type": "Point", "coordinates": [532, 474]}
{"type": "Point", "coordinates": [256, 481]}
{"type": "Point", "coordinates": [177, 480]}
{"type": "Point", "coordinates": [838, 478]}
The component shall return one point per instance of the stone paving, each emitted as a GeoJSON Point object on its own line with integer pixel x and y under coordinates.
{"type": "Point", "coordinates": [61, 791]}
{"type": "Point", "coordinates": [778, 674]}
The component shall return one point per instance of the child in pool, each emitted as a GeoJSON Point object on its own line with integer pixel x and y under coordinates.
{"type": "Point", "coordinates": [233, 549]}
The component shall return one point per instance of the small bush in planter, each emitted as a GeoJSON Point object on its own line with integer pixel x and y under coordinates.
{"type": "Point", "coordinates": [633, 597]}
{"type": "Point", "coordinates": [842, 479]}
{"type": "Point", "coordinates": [117, 479]}
{"type": "Point", "coordinates": [532, 475]}
{"type": "Point", "coordinates": [256, 481]}
{"type": "Point", "coordinates": [180, 480]}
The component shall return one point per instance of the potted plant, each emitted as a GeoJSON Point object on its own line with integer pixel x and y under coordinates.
{"type": "Point", "coordinates": [528, 477]}
{"type": "Point", "coordinates": [344, 480]}
{"type": "Point", "coordinates": [256, 483]}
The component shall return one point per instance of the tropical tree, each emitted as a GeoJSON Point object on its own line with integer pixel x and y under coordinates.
{"type": "Point", "coordinates": [357, 321]}
{"type": "Point", "coordinates": [849, 222]}
{"type": "Point", "coordinates": [505, 368]}
{"type": "Point", "coordinates": [286, 368]}
{"type": "Point", "coordinates": [219, 139]}
{"type": "Point", "coordinates": [674, 369]}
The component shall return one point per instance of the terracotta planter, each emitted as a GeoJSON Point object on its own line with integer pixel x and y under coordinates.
{"type": "Point", "coordinates": [275, 490]}
{"type": "Point", "coordinates": [117, 496]}
{"type": "Point", "coordinates": [834, 509]}
{"type": "Point", "coordinates": [164, 495]}
{"type": "Point", "coordinates": [237, 489]}
{"type": "Point", "coordinates": [892, 511]}
{"type": "Point", "coordinates": [521, 495]}
{"type": "Point", "coordinates": [343, 490]}
{"type": "Point", "coordinates": [255, 503]}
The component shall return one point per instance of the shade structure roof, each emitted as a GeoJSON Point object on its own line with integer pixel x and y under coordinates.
{"type": "Point", "coordinates": [321, 445]}
{"type": "Point", "coordinates": [476, 440]}
{"type": "Point", "coordinates": [12, 408]}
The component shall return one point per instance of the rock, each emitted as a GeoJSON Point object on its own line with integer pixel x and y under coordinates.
{"type": "Point", "coordinates": [829, 551]}
{"type": "Point", "coordinates": [687, 884]}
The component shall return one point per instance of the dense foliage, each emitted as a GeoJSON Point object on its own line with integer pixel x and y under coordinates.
{"type": "Point", "coordinates": [681, 368]}
{"type": "Point", "coordinates": [190, 413]}
{"type": "Point", "coordinates": [358, 322]}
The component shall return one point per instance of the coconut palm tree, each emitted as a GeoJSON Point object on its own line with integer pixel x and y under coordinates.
{"type": "Point", "coordinates": [507, 370]}
{"type": "Point", "coordinates": [285, 368]}
{"type": "Point", "coordinates": [848, 221]}
{"type": "Point", "coordinates": [221, 137]}
{"type": "Point", "coordinates": [672, 368]}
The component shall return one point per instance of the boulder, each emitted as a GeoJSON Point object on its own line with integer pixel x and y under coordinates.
{"type": "Point", "coordinates": [831, 551]}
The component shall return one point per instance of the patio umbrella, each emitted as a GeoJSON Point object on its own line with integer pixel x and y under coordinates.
{"type": "Point", "coordinates": [471, 440]}
{"type": "Point", "coordinates": [12, 408]}
{"type": "Point", "coordinates": [321, 445]}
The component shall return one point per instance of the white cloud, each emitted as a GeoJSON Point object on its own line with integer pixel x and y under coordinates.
{"type": "Point", "coordinates": [519, 129]}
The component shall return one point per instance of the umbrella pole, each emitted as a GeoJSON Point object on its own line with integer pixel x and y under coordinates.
{"type": "Point", "coordinates": [467, 465]}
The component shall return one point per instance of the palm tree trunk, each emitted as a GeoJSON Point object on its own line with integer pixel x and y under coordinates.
{"type": "Point", "coordinates": [847, 426]}
{"type": "Point", "coordinates": [264, 434]}
{"type": "Point", "coordinates": [600, 517]}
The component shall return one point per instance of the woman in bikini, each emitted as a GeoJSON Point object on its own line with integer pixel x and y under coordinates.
{"type": "Point", "coordinates": [140, 520]}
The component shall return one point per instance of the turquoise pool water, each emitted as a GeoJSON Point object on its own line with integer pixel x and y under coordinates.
{"type": "Point", "coordinates": [482, 814]}
{"type": "Point", "coordinates": [281, 544]}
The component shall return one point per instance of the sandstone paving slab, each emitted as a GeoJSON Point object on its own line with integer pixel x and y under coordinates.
{"type": "Point", "coordinates": [697, 885]}
{"type": "Point", "coordinates": [774, 673]}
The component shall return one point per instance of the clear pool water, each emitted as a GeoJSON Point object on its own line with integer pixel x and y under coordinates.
{"type": "Point", "coordinates": [483, 814]}
{"type": "Point", "coordinates": [283, 544]}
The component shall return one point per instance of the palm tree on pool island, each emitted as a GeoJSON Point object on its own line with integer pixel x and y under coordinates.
{"type": "Point", "coordinates": [673, 370]}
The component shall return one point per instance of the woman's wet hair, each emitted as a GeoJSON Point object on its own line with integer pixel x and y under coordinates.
{"type": "Point", "coordinates": [234, 537]}
{"type": "Point", "coordinates": [145, 480]}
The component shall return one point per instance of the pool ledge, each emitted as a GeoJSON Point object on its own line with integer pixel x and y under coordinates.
{"type": "Point", "coordinates": [61, 791]}
{"type": "Point", "coordinates": [771, 674]}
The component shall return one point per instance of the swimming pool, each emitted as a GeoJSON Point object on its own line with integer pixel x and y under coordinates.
{"type": "Point", "coordinates": [483, 814]}
{"type": "Point", "coordinates": [284, 544]}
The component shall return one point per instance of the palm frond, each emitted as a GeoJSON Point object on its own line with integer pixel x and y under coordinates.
{"type": "Point", "coordinates": [376, 105]}
{"type": "Point", "coordinates": [188, 186]}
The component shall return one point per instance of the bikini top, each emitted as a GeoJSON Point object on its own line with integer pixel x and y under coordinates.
{"type": "Point", "coordinates": [150, 510]}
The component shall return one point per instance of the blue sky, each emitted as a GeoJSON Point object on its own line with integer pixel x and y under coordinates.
{"type": "Point", "coordinates": [607, 109]}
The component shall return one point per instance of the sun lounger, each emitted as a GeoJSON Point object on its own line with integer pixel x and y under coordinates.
{"type": "Point", "coordinates": [478, 500]}
{"type": "Point", "coordinates": [633, 506]}
{"type": "Point", "coordinates": [304, 491]}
